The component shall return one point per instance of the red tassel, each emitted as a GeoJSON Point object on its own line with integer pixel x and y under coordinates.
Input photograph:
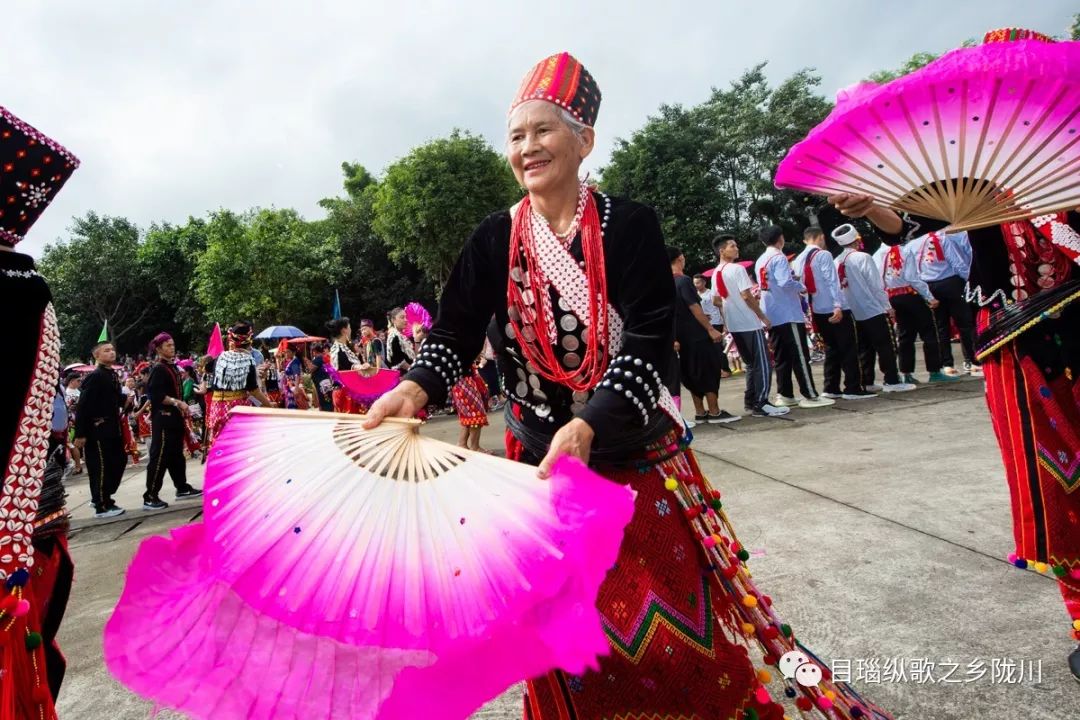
{"type": "Point", "coordinates": [24, 690]}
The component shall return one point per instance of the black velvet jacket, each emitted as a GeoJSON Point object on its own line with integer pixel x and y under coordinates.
{"type": "Point", "coordinates": [97, 416]}
{"type": "Point", "coordinates": [639, 286]}
{"type": "Point", "coordinates": [27, 294]}
{"type": "Point", "coordinates": [164, 381]}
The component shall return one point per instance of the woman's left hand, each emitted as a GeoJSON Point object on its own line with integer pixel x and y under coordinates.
{"type": "Point", "coordinates": [574, 439]}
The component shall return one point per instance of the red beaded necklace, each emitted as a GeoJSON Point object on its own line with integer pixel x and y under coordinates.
{"type": "Point", "coordinates": [534, 287]}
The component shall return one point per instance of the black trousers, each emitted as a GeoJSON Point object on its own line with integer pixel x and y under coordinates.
{"type": "Point", "coordinates": [914, 318]}
{"type": "Point", "coordinates": [699, 367]}
{"type": "Point", "coordinates": [105, 463]}
{"type": "Point", "coordinates": [725, 366]}
{"type": "Point", "coordinates": [758, 367]}
{"type": "Point", "coordinates": [166, 454]}
{"type": "Point", "coordinates": [876, 340]}
{"type": "Point", "coordinates": [790, 352]}
{"type": "Point", "coordinates": [841, 352]}
{"type": "Point", "coordinates": [950, 293]}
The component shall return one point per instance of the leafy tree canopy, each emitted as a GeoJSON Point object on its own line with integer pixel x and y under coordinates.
{"type": "Point", "coordinates": [431, 200]}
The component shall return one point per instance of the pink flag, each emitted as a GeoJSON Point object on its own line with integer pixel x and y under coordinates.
{"type": "Point", "coordinates": [215, 347]}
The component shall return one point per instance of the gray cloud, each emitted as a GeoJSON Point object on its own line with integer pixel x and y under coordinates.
{"type": "Point", "coordinates": [176, 112]}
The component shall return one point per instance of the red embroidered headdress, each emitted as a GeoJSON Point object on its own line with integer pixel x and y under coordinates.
{"type": "Point", "coordinates": [33, 168]}
{"type": "Point", "coordinates": [1012, 34]}
{"type": "Point", "coordinates": [563, 80]}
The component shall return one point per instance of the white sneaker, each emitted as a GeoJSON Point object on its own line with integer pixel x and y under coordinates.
{"type": "Point", "coordinates": [876, 387]}
{"type": "Point", "coordinates": [817, 402]}
{"type": "Point", "coordinates": [975, 370]}
{"type": "Point", "coordinates": [950, 371]}
{"type": "Point", "coordinates": [768, 410]}
{"type": "Point", "coordinates": [782, 401]}
{"type": "Point", "coordinates": [111, 512]}
{"type": "Point", "coordinates": [832, 396]}
{"type": "Point", "coordinates": [898, 387]}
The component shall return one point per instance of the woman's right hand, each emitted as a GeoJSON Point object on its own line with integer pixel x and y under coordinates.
{"type": "Point", "coordinates": [403, 401]}
{"type": "Point", "coordinates": [851, 204]}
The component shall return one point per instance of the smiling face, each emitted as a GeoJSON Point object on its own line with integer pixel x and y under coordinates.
{"type": "Point", "coordinates": [544, 152]}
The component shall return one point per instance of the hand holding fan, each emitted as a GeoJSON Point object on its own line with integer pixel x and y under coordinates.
{"type": "Point", "coordinates": [349, 573]}
{"type": "Point", "coordinates": [980, 136]}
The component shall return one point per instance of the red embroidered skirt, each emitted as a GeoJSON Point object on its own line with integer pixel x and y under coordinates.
{"type": "Point", "coordinates": [130, 446]}
{"type": "Point", "coordinates": [143, 421]}
{"type": "Point", "coordinates": [191, 439]}
{"type": "Point", "coordinates": [345, 403]}
{"type": "Point", "coordinates": [679, 610]}
{"type": "Point", "coordinates": [217, 413]}
{"type": "Point", "coordinates": [1037, 423]}
{"type": "Point", "coordinates": [469, 396]}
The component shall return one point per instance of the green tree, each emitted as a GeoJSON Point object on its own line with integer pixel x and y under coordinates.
{"type": "Point", "coordinates": [168, 255]}
{"type": "Point", "coordinates": [710, 167]}
{"type": "Point", "coordinates": [95, 276]}
{"type": "Point", "coordinates": [372, 283]}
{"type": "Point", "coordinates": [664, 164]}
{"type": "Point", "coordinates": [1074, 29]}
{"type": "Point", "coordinates": [430, 201]}
{"type": "Point", "coordinates": [267, 266]}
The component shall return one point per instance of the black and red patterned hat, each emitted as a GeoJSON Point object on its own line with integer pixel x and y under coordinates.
{"type": "Point", "coordinates": [562, 79]}
{"type": "Point", "coordinates": [33, 168]}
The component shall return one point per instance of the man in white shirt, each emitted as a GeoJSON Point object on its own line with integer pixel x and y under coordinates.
{"type": "Point", "coordinates": [710, 305]}
{"type": "Point", "coordinates": [781, 298]}
{"type": "Point", "coordinates": [913, 305]}
{"type": "Point", "coordinates": [814, 267]}
{"type": "Point", "coordinates": [746, 322]}
{"type": "Point", "coordinates": [864, 293]}
{"type": "Point", "coordinates": [943, 262]}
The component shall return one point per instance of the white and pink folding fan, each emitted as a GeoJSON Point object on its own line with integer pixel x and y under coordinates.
{"type": "Point", "coordinates": [981, 136]}
{"type": "Point", "coordinates": [417, 314]}
{"type": "Point", "coordinates": [349, 573]}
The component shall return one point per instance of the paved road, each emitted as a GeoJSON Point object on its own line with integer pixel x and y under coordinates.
{"type": "Point", "coordinates": [880, 528]}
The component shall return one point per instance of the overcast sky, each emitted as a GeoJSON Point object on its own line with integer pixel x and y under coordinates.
{"type": "Point", "coordinates": [177, 112]}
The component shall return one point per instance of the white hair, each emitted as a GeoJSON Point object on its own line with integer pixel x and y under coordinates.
{"type": "Point", "coordinates": [576, 126]}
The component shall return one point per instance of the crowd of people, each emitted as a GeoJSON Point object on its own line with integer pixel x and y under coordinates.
{"type": "Point", "coordinates": [857, 312]}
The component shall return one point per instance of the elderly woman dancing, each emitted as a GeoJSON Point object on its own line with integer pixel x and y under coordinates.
{"type": "Point", "coordinates": [579, 284]}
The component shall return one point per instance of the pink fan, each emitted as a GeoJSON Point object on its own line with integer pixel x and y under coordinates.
{"type": "Point", "coordinates": [345, 573]}
{"type": "Point", "coordinates": [366, 389]}
{"type": "Point", "coordinates": [415, 314]}
{"type": "Point", "coordinates": [980, 136]}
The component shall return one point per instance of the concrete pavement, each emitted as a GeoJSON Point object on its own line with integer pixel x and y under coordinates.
{"type": "Point", "coordinates": [880, 527]}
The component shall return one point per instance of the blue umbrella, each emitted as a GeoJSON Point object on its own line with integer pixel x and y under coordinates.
{"type": "Point", "coordinates": [276, 332]}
